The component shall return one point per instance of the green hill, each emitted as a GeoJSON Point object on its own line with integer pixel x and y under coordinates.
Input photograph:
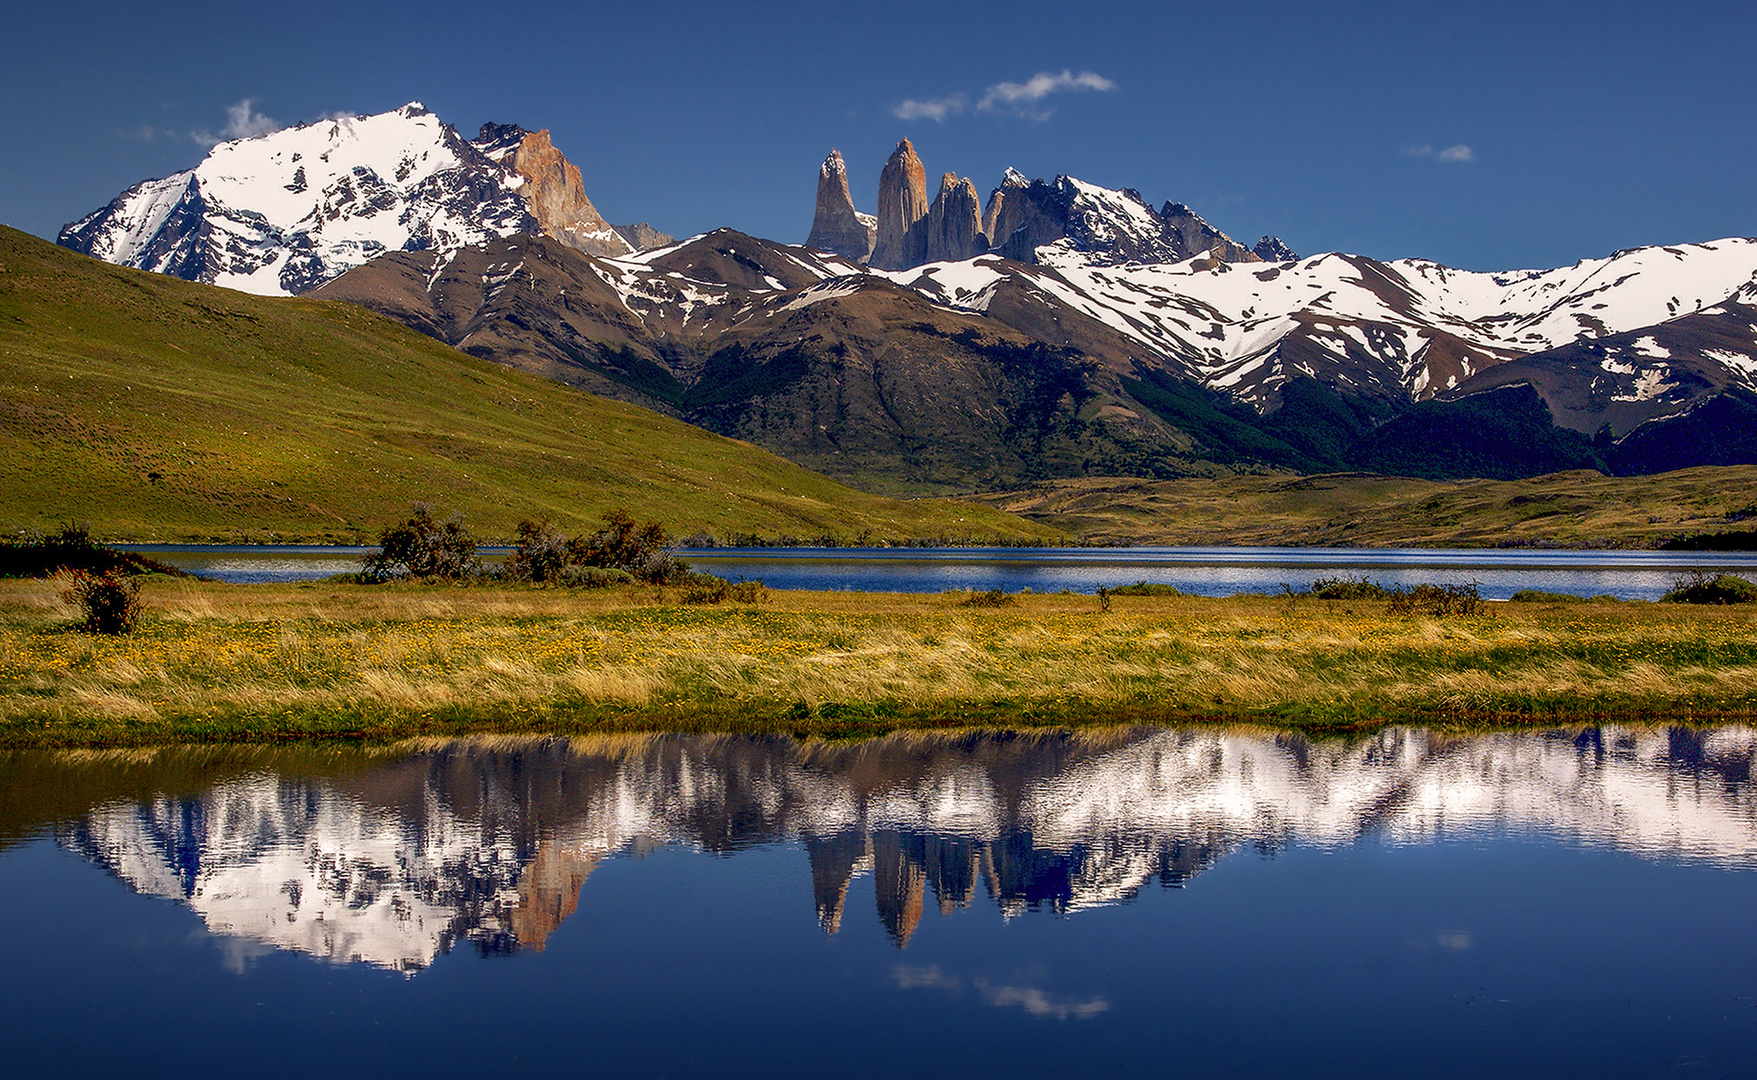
{"type": "Point", "coordinates": [157, 409]}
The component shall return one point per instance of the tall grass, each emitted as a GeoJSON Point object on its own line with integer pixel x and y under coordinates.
{"type": "Point", "coordinates": [275, 662]}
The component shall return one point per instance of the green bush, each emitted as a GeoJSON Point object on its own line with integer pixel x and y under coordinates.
{"type": "Point", "coordinates": [33, 555]}
{"type": "Point", "coordinates": [1698, 588]}
{"type": "Point", "coordinates": [1142, 588]}
{"type": "Point", "coordinates": [593, 577]}
{"type": "Point", "coordinates": [1435, 600]}
{"type": "Point", "coordinates": [539, 553]}
{"type": "Point", "coordinates": [1347, 588]}
{"type": "Point", "coordinates": [423, 547]}
{"type": "Point", "coordinates": [1538, 596]}
{"type": "Point", "coordinates": [111, 602]}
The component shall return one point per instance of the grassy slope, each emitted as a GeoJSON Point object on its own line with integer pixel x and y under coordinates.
{"type": "Point", "coordinates": [300, 419]}
{"type": "Point", "coordinates": [223, 663]}
{"type": "Point", "coordinates": [1573, 509]}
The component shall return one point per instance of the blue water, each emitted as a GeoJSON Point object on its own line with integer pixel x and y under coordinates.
{"type": "Point", "coordinates": [1210, 571]}
{"type": "Point", "coordinates": [1138, 902]}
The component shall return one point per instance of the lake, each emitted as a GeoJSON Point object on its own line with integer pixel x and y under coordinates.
{"type": "Point", "coordinates": [1203, 901]}
{"type": "Point", "coordinates": [1205, 571]}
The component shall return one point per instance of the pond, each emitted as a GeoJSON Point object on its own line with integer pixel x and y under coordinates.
{"type": "Point", "coordinates": [1200, 901]}
{"type": "Point", "coordinates": [1206, 571]}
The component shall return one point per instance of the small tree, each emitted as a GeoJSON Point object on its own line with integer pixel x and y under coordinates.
{"type": "Point", "coordinates": [540, 553]}
{"type": "Point", "coordinates": [623, 544]}
{"type": "Point", "coordinates": [424, 547]}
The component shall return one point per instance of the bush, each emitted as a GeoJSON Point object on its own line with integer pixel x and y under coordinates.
{"type": "Point", "coordinates": [988, 598]}
{"type": "Point", "coordinates": [624, 544]}
{"type": "Point", "coordinates": [423, 547]}
{"type": "Point", "coordinates": [593, 577]}
{"type": "Point", "coordinates": [1347, 588]}
{"type": "Point", "coordinates": [539, 553]}
{"type": "Point", "coordinates": [1538, 596]}
{"type": "Point", "coordinates": [111, 602]}
{"type": "Point", "coordinates": [1435, 600]}
{"type": "Point", "coordinates": [33, 555]}
{"type": "Point", "coordinates": [1142, 588]}
{"type": "Point", "coordinates": [1698, 588]}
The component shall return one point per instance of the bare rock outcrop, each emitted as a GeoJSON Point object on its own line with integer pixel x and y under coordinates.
{"type": "Point", "coordinates": [837, 227]}
{"type": "Point", "coordinates": [902, 204]}
{"type": "Point", "coordinates": [954, 223]}
{"type": "Point", "coordinates": [557, 199]}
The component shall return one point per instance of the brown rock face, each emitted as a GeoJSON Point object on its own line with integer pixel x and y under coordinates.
{"type": "Point", "coordinates": [1006, 208]}
{"type": "Point", "coordinates": [558, 200]}
{"type": "Point", "coordinates": [837, 227]}
{"type": "Point", "coordinates": [902, 203]}
{"type": "Point", "coordinates": [954, 223]}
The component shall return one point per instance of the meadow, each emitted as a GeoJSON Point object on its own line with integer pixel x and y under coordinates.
{"type": "Point", "coordinates": [289, 662]}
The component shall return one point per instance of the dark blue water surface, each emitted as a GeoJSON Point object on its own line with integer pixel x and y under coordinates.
{"type": "Point", "coordinates": [1205, 571]}
{"type": "Point", "coordinates": [1214, 903]}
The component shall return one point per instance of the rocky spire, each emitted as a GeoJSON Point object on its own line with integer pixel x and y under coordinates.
{"type": "Point", "coordinates": [557, 199]}
{"type": "Point", "coordinates": [1005, 208]}
{"type": "Point", "coordinates": [954, 223]}
{"type": "Point", "coordinates": [837, 227]}
{"type": "Point", "coordinates": [902, 202]}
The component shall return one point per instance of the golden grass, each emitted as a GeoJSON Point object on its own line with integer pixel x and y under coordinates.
{"type": "Point", "coordinates": [275, 662]}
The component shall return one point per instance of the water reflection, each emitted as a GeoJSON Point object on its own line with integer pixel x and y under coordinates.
{"type": "Point", "coordinates": [393, 858]}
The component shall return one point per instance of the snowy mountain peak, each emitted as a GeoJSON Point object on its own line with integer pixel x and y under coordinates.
{"type": "Point", "coordinates": [286, 211]}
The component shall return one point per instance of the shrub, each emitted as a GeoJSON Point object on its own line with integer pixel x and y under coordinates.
{"type": "Point", "coordinates": [593, 577]}
{"type": "Point", "coordinates": [539, 553]}
{"type": "Point", "coordinates": [1698, 588]}
{"type": "Point", "coordinates": [988, 598]}
{"type": "Point", "coordinates": [624, 544]}
{"type": "Point", "coordinates": [423, 547]}
{"type": "Point", "coordinates": [1347, 588]}
{"type": "Point", "coordinates": [1538, 596]}
{"type": "Point", "coordinates": [1435, 600]}
{"type": "Point", "coordinates": [33, 555]}
{"type": "Point", "coordinates": [1142, 588]}
{"type": "Point", "coordinates": [111, 602]}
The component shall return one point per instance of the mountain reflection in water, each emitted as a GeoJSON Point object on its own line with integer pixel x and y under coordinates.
{"type": "Point", "coordinates": [392, 858]}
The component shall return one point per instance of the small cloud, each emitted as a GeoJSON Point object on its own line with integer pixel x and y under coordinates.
{"type": "Point", "coordinates": [1450, 153]}
{"type": "Point", "coordinates": [935, 109]}
{"type": "Point", "coordinates": [916, 978]}
{"type": "Point", "coordinates": [144, 133]}
{"type": "Point", "coordinates": [242, 122]}
{"type": "Point", "coordinates": [1024, 98]}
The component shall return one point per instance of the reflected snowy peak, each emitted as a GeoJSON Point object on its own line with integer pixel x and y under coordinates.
{"type": "Point", "coordinates": [397, 858]}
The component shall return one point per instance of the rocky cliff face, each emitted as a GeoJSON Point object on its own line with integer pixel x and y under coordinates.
{"type": "Point", "coordinates": [954, 223]}
{"type": "Point", "coordinates": [902, 203]}
{"type": "Point", "coordinates": [557, 198]}
{"type": "Point", "coordinates": [836, 226]}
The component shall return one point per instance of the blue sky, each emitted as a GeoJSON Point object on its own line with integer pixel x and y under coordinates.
{"type": "Point", "coordinates": [1485, 135]}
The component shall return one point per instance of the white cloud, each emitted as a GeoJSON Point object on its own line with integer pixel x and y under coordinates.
{"type": "Point", "coordinates": [935, 109]}
{"type": "Point", "coordinates": [1024, 98]}
{"type": "Point", "coordinates": [1459, 152]}
{"type": "Point", "coordinates": [242, 122]}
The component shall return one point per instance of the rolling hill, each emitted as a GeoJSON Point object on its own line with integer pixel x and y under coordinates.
{"type": "Point", "coordinates": [159, 409]}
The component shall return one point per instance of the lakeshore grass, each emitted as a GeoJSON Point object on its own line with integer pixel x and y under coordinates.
{"type": "Point", "coordinates": [274, 663]}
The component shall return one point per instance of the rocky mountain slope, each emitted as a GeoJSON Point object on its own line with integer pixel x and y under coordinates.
{"type": "Point", "coordinates": [284, 212]}
{"type": "Point", "coordinates": [1061, 329]}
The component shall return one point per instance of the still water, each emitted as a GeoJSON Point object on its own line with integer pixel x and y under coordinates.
{"type": "Point", "coordinates": [1205, 571]}
{"type": "Point", "coordinates": [1205, 902]}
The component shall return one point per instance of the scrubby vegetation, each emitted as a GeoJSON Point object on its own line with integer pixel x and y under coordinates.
{"type": "Point", "coordinates": [1699, 588]}
{"type": "Point", "coordinates": [109, 601]}
{"type": "Point", "coordinates": [70, 549]}
{"type": "Point", "coordinates": [421, 546]}
{"type": "Point", "coordinates": [1347, 588]}
{"type": "Point", "coordinates": [1434, 600]}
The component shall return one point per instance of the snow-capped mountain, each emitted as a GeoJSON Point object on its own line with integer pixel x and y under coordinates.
{"type": "Point", "coordinates": [284, 212]}
{"type": "Point", "coordinates": [396, 864]}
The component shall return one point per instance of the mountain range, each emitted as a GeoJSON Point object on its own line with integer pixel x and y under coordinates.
{"type": "Point", "coordinates": [1061, 329]}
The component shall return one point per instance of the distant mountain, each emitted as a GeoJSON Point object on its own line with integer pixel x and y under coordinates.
{"type": "Point", "coordinates": [284, 212]}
